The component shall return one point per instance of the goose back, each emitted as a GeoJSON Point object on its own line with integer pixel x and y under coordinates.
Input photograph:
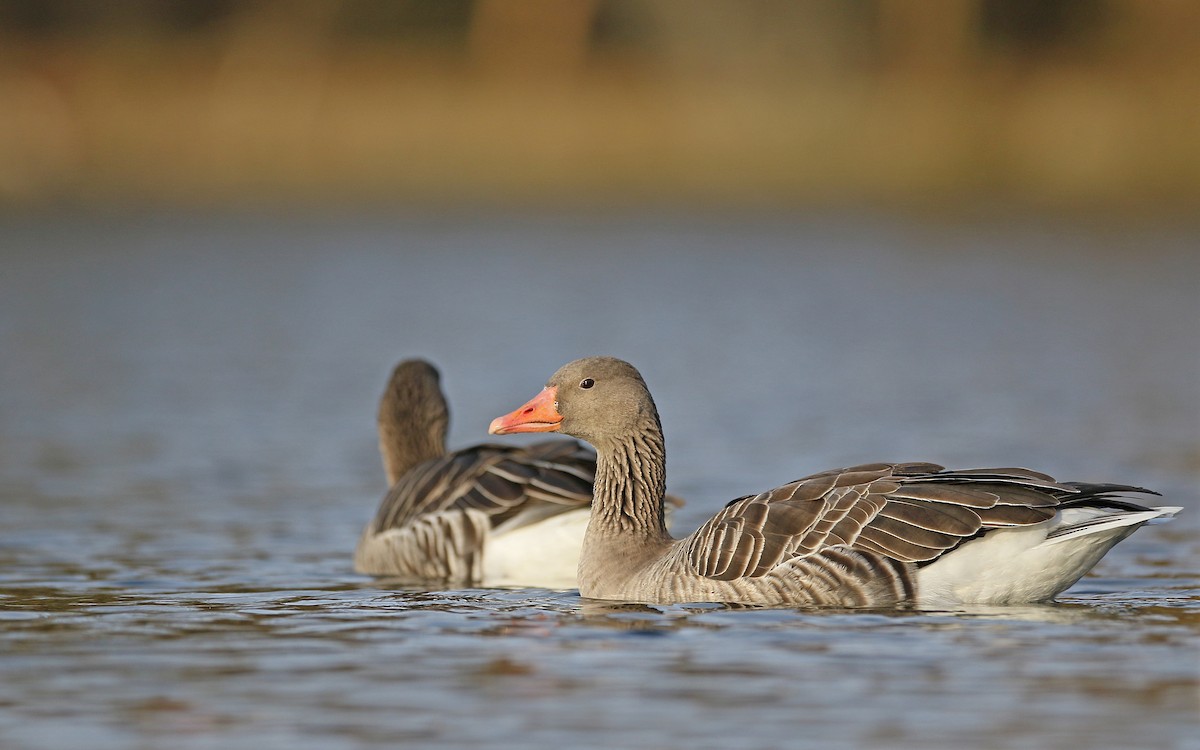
{"type": "Point", "coordinates": [435, 522]}
{"type": "Point", "coordinates": [852, 537]}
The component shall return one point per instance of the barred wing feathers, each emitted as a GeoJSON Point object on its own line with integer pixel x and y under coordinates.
{"type": "Point", "coordinates": [501, 482]}
{"type": "Point", "coordinates": [907, 513]}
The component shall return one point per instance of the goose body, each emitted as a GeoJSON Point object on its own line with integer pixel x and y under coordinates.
{"type": "Point", "coordinates": [489, 515]}
{"type": "Point", "coordinates": [875, 535]}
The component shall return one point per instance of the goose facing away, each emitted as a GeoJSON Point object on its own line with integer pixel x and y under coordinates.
{"type": "Point", "coordinates": [490, 514]}
{"type": "Point", "coordinates": [875, 535]}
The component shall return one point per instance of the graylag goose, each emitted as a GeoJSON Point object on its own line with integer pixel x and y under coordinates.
{"type": "Point", "coordinates": [489, 515]}
{"type": "Point", "coordinates": [876, 535]}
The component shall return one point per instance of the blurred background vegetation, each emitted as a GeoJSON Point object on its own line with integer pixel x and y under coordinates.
{"type": "Point", "coordinates": [1058, 105]}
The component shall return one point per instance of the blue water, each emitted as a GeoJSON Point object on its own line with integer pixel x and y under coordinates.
{"type": "Point", "coordinates": [187, 454]}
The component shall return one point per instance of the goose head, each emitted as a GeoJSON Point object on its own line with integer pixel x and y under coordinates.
{"type": "Point", "coordinates": [597, 399]}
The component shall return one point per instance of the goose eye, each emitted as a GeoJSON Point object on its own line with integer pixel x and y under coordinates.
{"type": "Point", "coordinates": [587, 383]}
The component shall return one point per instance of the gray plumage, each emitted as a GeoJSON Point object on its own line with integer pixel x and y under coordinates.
{"type": "Point", "coordinates": [436, 520]}
{"type": "Point", "coordinates": [869, 535]}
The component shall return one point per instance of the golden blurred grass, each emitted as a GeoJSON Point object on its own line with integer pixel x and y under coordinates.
{"type": "Point", "coordinates": [785, 105]}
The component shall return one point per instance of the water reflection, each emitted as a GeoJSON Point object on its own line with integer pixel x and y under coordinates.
{"type": "Point", "coordinates": [183, 476]}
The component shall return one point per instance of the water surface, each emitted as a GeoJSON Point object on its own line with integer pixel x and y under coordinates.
{"type": "Point", "coordinates": [187, 455]}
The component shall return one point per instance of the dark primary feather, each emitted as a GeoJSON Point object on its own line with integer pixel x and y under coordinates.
{"type": "Point", "coordinates": [909, 513]}
{"type": "Point", "coordinates": [499, 481]}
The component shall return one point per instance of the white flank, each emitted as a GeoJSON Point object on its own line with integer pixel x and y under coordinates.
{"type": "Point", "coordinates": [543, 554]}
{"type": "Point", "coordinates": [1028, 564]}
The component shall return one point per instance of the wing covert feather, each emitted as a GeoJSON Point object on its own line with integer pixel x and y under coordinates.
{"type": "Point", "coordinates": [498, 481]}
{"type": "Point", "coordinates": [909, 513]}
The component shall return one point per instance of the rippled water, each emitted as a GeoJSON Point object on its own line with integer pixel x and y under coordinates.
{"type": "Point", "coordinates": [187, 455]}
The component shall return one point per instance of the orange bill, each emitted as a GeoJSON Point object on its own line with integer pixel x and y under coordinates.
{"type": "Point", "coordinates": [540, 414]}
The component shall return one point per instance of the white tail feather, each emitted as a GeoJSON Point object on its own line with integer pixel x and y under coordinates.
{"type": "Point", "coordinates": [1031, 563]}
{"type": "Point", "coordinates": [1103, 519]}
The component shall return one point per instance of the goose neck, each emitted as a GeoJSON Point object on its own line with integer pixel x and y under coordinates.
{"type": "Point", "coordinates": [631, 483]}
{"type": "Point", "coordinates": [402, 449]}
